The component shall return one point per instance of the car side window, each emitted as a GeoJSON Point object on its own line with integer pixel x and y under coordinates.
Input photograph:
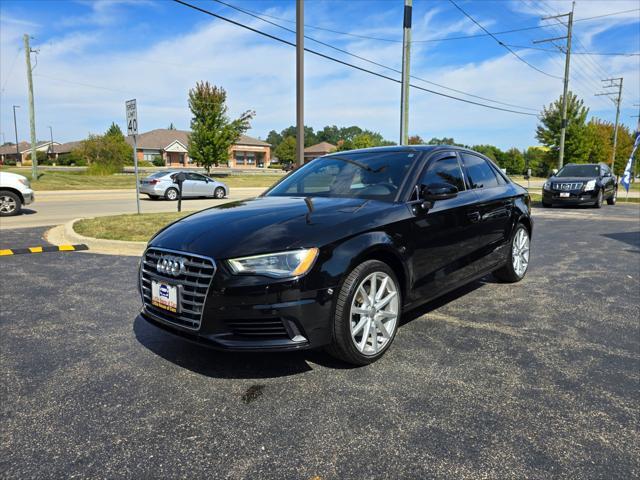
{"type": "Point", "coordinates": [479, 172]}
{"type": "Point", "coordinates": [195, 176]}
{"type": "Point", "coordinates": [444, 170]}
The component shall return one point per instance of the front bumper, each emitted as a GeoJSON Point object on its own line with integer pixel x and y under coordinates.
{"type": "Point", "coordinates": [576, 197]}
{"type": "Point", "coordinates": [28, 195]}
{"type": "Point", "coordinates": [269, 317]}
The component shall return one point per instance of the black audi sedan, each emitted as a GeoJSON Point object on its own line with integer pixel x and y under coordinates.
{"type": "Point", "coordinates": [332, 254]}
{"type": "Point", "coordinates": [581, 184]}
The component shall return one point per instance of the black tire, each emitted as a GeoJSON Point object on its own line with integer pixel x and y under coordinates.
{"type": "Point", "coordinates": [613, 198]}
{"type": "Point", "coordinates": [507, 272]}
{"type": "Point", "coordinates": [218, 193]}
{"type": "Point", "coordinates": [152, 197]}
{"type": "Point", "coordinates": [10, 204]}
{"type": "Point", "coordinates": [171, 194]}
{"type": "Point", "coordinates": [599, 200]}
{"type": "Point", "coordinates": [342, 346]}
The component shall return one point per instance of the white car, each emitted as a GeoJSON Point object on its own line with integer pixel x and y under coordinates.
{"type": "Point", "coordinates": [161, 185]}
{"type": "Point", "coordinates": [15, 191]}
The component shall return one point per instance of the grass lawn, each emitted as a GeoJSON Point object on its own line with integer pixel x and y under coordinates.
{"type": "Point", "coordinates": [60, 180]}
{"type": "Point", "coordinates": [136, 228]}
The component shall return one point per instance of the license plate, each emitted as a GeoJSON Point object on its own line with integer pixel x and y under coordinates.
{"type": "Point", "coordinates": [564, 194]}
{"type": "Point", "coordinates": [164, 296]}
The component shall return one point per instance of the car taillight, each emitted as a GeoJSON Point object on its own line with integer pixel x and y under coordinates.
{"type": "Point", "coordinates": [153, 182]}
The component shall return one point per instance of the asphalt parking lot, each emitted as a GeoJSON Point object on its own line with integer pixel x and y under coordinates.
{"type": "Point", "coordinates": [534, 380]}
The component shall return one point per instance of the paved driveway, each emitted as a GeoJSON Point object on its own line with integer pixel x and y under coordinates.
{"type": "Point", "coordinates": [534, 380]}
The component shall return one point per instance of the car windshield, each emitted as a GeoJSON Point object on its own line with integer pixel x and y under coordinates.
{"type": "Point", "coordinates": [375, 176]}
{"type": "Point", "coordinates": [579, 171]}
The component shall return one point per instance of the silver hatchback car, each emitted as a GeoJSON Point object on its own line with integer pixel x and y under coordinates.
{"type": "Point", "coordinates": [160, 184]}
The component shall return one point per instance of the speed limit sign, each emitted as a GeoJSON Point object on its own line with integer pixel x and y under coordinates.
{"type": "Point", "coordinates": [132, 117]}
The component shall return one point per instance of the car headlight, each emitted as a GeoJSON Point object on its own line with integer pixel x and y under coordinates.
{"type": "Point", "coordinates": [547, 185]}
{"type": "Point", "coordinates": [590, 185]}
{"type": "Point", "coordinates": [25, 182]}
{"type": "Point", "coordinates": [279, 265]}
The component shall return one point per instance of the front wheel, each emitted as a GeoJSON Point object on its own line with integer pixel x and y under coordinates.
{"type": "Point", "coordinates": [613, 199]}
{"type": "Point", "coordinates": [367, 313]}
{"type": "Point", "coordinates": [10, 204]}
{"type": "Point", "coordinates": [599, 200]}
{"type": "Point", "coordinates": [218, 193]}
{"type": "Point", "coordinates": [516, 267]}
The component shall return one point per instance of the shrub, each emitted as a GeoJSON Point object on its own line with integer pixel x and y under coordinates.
{"type": "Point", "coordinates": [71, 159]}
{"type": "Point", "coordinates": [158, 161]}
{"type": "Point", "coordinates": [105, 154]}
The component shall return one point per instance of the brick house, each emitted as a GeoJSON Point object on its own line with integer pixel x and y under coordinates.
{"type": "Point", "coordinates": [318, 150]}
{"type": "Point", "coordinates": [173, 146]}
{"type": "Point", "coordinates": [8, 152]}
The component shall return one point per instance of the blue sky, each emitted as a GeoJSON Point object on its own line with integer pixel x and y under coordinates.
{"type": "Point", "coordinates": [94, 55]}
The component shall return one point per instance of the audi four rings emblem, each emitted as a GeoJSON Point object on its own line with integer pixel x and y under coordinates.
{"type": "Point", "coordinates": [170, 265]}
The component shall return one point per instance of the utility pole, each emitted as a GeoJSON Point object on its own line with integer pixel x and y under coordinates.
{"type": "Point", "coordinates": [300, 82]}
{"type": "Point", "coordinates": [51, 145]}
{"type": "Point", "coordinates": [613, 83]}
{"type": "Point", "coordinates": [15, 127]}
{"type": "Point", "coordinates": [567, 61]}
{"type": "Point", "coordinates": [32, 113]}
{"type": "Point", "coordinates": [406, 63]}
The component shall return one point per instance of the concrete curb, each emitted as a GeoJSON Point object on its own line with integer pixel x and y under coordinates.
{"type": "Point", "coordinates": [63, 234]}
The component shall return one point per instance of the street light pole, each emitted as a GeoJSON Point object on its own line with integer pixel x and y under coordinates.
{"type": "Point", "coordinates": [15, 127]}
{"type": "Point", "coordinates": [406, 62]}
{"type": "Point", "coordinates": [51, 147]}
{"type": "Point", "coordinates": [300, 82]}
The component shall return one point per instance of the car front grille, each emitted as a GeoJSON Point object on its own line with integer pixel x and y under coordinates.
{"type": "Point", "coordinates": [193, 284]}
{"type": "Point", "coordinates": [258, 328]}
{"type": "Point", "coordinates": [566, 187]}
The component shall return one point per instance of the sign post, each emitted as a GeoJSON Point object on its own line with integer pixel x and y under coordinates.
{"type": "Point", "coordinates": [132, 129]}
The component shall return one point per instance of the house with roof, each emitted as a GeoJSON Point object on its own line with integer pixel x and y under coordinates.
{"type": "Point", "coordinates": [23, 152]}
{"type": "Point", "coordinates": [318, 150]}
{"type": "Point", "coordinates": [173, 147]}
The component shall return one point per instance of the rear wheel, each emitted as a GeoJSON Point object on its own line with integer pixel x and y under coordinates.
{"type": "Point", "coordinates": [171, 194]}
{"type": "Point", "coordinates": [218, 192]}
{"type": "Point", "coordinates": [367, 314]}
{"type": "Point", "coordinates": [613, 198]}
{"type": "Point", "coordinates": [10, 204]}
{"type": "Point", "coordinates": [516, 267]}
{"type": "Point", "coordinates": [599, 200]}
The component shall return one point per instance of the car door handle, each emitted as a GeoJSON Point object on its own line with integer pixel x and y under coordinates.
{"type": "Point", "coordinates": [474, 216]}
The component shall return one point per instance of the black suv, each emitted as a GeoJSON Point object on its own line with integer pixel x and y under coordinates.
{"type": "Point", "coordinates": [334, 253]}
{"type": "Point", "coordinates": [581, 184]}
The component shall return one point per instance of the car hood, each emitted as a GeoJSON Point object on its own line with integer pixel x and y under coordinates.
{"type": "Point", "coordinates": [271, 224]}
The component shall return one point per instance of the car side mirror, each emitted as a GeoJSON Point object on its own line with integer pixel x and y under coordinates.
{"type": "Point", "coordinates": [436, 191]}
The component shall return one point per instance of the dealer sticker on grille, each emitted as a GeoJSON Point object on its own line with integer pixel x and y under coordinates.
{"type": "Point", "coordinates": [164, 296]}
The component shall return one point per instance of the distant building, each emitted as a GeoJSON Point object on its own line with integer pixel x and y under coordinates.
{"type": "Point", "coordinates": [8, 152]}
{"type": "Point", "coordinates": [318, 150]}
{"type": "Point", "coordinates": [173, 147]}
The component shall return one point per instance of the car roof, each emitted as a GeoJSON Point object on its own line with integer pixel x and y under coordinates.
{"type": "Point", "coordinates": [403, 148]}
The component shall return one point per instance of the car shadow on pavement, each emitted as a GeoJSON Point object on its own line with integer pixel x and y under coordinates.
{"type": "Point", "coordinates": [413, 314]}
{"type": "Point", "coordinates": [630, 238]}
{"type": "Point", "coordinates": [27, 211]}
{"type": "Point", "coordinates": [221, 364]}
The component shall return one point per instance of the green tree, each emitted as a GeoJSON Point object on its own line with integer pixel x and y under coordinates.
{"type": "Point", "coordinates": [212, 131]}
{"type": "Point", "coordinates": [535, 159]}
{"type": "Point", "coordinates": [443, 141]}
{"type": "Point", "coordinates": [274, 139]}
{"type": "Point", "coordinates": [600, 139]}
{"type": "Point", "coordinates": [576, 145]}
{"type": "Point", "coordinates": [513, 161]}
{"type": "Point", "coordinates": [105, 154]}
{"type": "Point", "coordinates": [416, 140]}
{"type": "Point", "coordinates": [171, 126]}
{"type": "Point", "coordinates": [366, 139]}
{"type": "Point", "coordinates": [329, 134]}
{"type": "Point", "coordinates": [309, 136]}
{"type": "Point", "coordinates": [114, 131]}
{"type": "Point", "coordinates": [286, 151]}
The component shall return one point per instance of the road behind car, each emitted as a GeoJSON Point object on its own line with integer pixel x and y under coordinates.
{"type": "Point", "coordinates": [532, 380]}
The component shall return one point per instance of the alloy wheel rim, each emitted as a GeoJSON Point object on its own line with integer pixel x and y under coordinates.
{"type": "Point", "coordinates": [374, 313]}
{"type": "Point", "coordinates": [7, 204]}
{"type": "Point", "coordinates": [219, 193]}
{"type": "Point", "coordinates": [172, 194]}
{"type": "Point", "coordinates": [520, 252]}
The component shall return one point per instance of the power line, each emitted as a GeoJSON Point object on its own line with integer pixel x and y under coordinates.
{"type": "Point", "coordinates": [443, 39]}
{"type": "Point", "coordinates": [328, 57]}
{"type": "Point", "coordinates": [500, 42]}
{"type": "Point", "coordinates": [524, 47]}
{"type": "Point", "coordinates": [346, 52]}
{"type": "Point", "coordinates": [10, 70]}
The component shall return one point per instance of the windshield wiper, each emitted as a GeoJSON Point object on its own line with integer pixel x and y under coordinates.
{"type": "Point", "coordinates": [360, 165]}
